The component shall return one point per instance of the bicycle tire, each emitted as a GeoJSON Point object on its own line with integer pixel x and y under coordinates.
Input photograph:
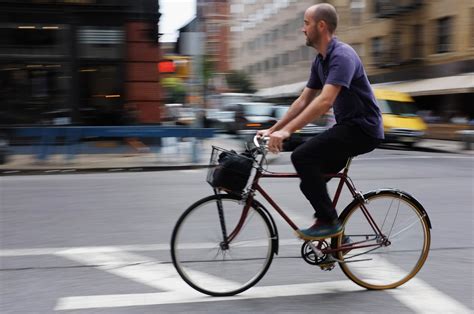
{"type": "Point", "coordinates": [198, 255]}
{"type": "Point", "coordinates": [384, 267]}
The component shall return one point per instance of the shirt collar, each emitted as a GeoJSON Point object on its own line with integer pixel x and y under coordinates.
{"type": "Point", "coordinates": [331, 46]}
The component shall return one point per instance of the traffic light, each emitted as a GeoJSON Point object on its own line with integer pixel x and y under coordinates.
{"type": "Point", "coordinates": [177, 66]}
{"type": "Point", "coordinates": [166, 67]}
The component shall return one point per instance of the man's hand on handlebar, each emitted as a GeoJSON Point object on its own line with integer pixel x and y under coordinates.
{"type": "Point", "coordinates": [264, 133]}
{"type": "Point", "coordinates": [275, 145]}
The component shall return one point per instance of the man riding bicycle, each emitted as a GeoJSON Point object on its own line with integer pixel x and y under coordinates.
{"type": "Point", "coordinates": [337, 72]}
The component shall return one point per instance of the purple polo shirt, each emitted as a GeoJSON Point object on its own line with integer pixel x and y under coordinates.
{"type": "Point", "coordinates": [355, 103]}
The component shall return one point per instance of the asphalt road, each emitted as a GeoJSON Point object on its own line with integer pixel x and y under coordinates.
{"type": "Point", "coordinates": [98, 243]}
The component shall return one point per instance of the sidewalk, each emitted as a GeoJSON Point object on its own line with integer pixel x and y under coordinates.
{"type": "Point", "coordinates": [170, 158]}
{"type": "Point", "coordinates": [177, 156]}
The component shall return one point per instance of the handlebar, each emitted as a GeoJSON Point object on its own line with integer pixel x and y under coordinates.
{"type": "Point", "coordinates": [260, 142]}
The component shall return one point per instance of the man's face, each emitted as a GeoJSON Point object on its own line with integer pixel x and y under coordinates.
{"type": "Point", "coordinates": [311, 31]}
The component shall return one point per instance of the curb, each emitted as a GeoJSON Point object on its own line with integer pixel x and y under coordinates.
{"type": "Point", "coordinates": [17, 172]}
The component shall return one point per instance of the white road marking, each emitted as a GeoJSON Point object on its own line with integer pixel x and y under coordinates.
{"type": "Point", "coordinates": [141, 269]}
{"type": "Point", "coordinates": [415, 294]}
{"type": "Point", "coordinates": [192, 170]}
{"type": "Point", "coordinates": [423, 298]}
{"type": "Point", "coordinates": [108, 249]}
{"type": "Point", "coordinates": [121, 300]}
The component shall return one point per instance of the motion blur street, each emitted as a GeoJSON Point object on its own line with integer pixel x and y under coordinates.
{"type": "Point", "coordinates": [109, 112]}
{"type": "Point", "coordinates": [99, 243]}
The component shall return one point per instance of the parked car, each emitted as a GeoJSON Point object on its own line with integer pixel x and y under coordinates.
{"type": "Point", "coordinates": [179, 114]}
{"type": "Point", "coordinates": [302, 135]}
{"type": "Point", "coordinates": [251, 117]}
{"type": "Point", "coordinates": [220, 120]}
{"type": "Point", "coordinates": [400, 121]}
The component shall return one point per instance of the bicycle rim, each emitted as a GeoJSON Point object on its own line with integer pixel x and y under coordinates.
{"type": "Point", "coordinates": [379, 266]}
{"type": "Point", "coordinates": [201, 260]}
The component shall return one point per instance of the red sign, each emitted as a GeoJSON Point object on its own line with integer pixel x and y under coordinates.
{"type": "Point", "coordinates": [166, 66]}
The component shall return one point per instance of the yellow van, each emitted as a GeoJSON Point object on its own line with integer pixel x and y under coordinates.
{"type": "Point", "coordinates": [400, 121]}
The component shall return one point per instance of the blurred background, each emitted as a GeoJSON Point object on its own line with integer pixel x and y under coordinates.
{"type": "Point", "coordinates": [115, 90]}
{"type": "Point", "coordinates": [108, 63]}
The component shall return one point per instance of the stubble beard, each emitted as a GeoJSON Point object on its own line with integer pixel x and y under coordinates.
{"type": "Point", "coordinates": [313, 43]}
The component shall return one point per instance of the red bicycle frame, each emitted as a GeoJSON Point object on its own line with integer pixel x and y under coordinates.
{"type": "Point", "coordinates": [343, 180]}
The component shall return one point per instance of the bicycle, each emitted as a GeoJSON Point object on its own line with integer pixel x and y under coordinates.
{"type": "Point", "coordinates": [224, 243]}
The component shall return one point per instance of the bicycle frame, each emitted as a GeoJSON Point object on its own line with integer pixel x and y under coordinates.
{"type": "Point", "coordinates": [344, 180]}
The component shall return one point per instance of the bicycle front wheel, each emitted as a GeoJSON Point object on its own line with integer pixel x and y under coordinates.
{"type": "Point", "coordinates": [211, 264]}
{"type": "Point", "coordinates": [388, 239]}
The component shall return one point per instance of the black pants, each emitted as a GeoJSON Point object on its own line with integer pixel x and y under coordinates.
{"type": "Point", "coordinates": [328, 153]}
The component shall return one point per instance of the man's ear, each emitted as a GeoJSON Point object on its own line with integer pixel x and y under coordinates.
{"type": "Point", "coordinates": [322, 25]}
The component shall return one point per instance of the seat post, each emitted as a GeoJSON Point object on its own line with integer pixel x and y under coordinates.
{"type": "Point", "coordinates": [348, 164]}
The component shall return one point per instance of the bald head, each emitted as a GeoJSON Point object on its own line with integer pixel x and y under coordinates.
{"type": "Point", "coordinates": [324, 12]}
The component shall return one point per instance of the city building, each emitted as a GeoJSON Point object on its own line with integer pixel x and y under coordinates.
{"type": "Point", "coordinates": [83, 62]}
{"type": "Point", "coordinates": [425, 48]}
{"type": "Point", "coordinates": [215, 18]}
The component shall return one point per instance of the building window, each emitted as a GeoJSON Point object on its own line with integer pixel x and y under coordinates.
{"type": "Point", "coordinates": [294, 56]}
{"type": "Point", "coordinates": [33, 39]}
{"type": "Point", "coordinates": [444, 35]}
{"type": "Point", "coordinates": [359, 48]}
{"type": "Point", "coordinates": [384, 7]}
{"type": "Point", "coordinates": [297, 24]}
{"type": "Point", "coordinates": [357, 10]}
{"type": "Point", "coordinates": [418, 41]}
{"type": "Point", "coordinates": [377, 49]}
{"type": "Point", "coordinates": [267, 65]}
{"type": "Point", "coordinates": [395, 51]}
{"type": "Point", "coordinates": [285, 59]}
{"type": "Point", "coordinates": [276, 61]}
{"type": "Point", "coordinates": [472, 27]}
{"type": "Point", "coordinates": [100, 42]}
{"type": "Point", "coordinates": [33, 93]}
{"type": "Point", "coordinates": [213, 48]}
{"type": "Point", "coordinates": [101, 97]}
{"type": "Point", "coordinates": [305, 53]}
{"type": "Point", "coordinates": [213, 28]}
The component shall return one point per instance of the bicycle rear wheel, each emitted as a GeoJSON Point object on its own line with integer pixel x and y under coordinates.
{"type": "Point", "coordinates": [392, 257]}
{"type": "Point", "coordinates": [206, 261]}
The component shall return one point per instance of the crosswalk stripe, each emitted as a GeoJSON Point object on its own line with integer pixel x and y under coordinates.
{"type": "Point", "coordinates": [141, 269]}
{"type": "Point", "coordinates": [416, 294]}
{"type": "Point", "coordinates": [141, 299]}
{"type": "Point", "coordinates": [107, 249]}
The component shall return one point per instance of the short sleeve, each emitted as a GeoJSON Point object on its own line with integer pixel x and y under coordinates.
{"type": "Point", "coordinates": [341, 70]}
{"type": "Point", "coordinates": [314, 81]}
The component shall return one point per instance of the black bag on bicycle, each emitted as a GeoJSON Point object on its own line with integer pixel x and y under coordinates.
{"type": "Point", "coordinates": [232, 171]}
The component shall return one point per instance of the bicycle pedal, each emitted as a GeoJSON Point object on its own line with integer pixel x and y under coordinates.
{"type": "Point", "coordinates": [327, 266]}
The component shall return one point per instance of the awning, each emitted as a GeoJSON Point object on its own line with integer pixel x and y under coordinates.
{"type": "Point", "coordinates": [288, 90]}
{"type": "Point", "coordinates": [462, 83]}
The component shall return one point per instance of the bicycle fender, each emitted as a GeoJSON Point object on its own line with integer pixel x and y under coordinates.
{"type": "Point", "coordinates": [403, 194]}
{"type": "Point", "coordinates": [275, 241]}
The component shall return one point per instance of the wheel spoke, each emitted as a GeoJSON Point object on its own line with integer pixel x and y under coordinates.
{"type": "Point", "coordinates": [198, 249]}
{"type": "Point", "coordinates": [411, 225]}
{"type": "Point", "coordinates": [403, 244]}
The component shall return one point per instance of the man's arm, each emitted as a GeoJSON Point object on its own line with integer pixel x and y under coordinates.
{"type": "Point", "coordinates": [319, 106]}
{"type": "Point", "coordinates": [296, 108]}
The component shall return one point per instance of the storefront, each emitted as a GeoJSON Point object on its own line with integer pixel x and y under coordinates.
{"type": "Point", "coordinates": [67, 62]}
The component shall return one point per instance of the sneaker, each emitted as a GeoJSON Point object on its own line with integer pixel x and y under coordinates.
{"type": "Point", "coordinates": [320, 230]}
{"type": "Point", "coordinates": [345, 241]}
